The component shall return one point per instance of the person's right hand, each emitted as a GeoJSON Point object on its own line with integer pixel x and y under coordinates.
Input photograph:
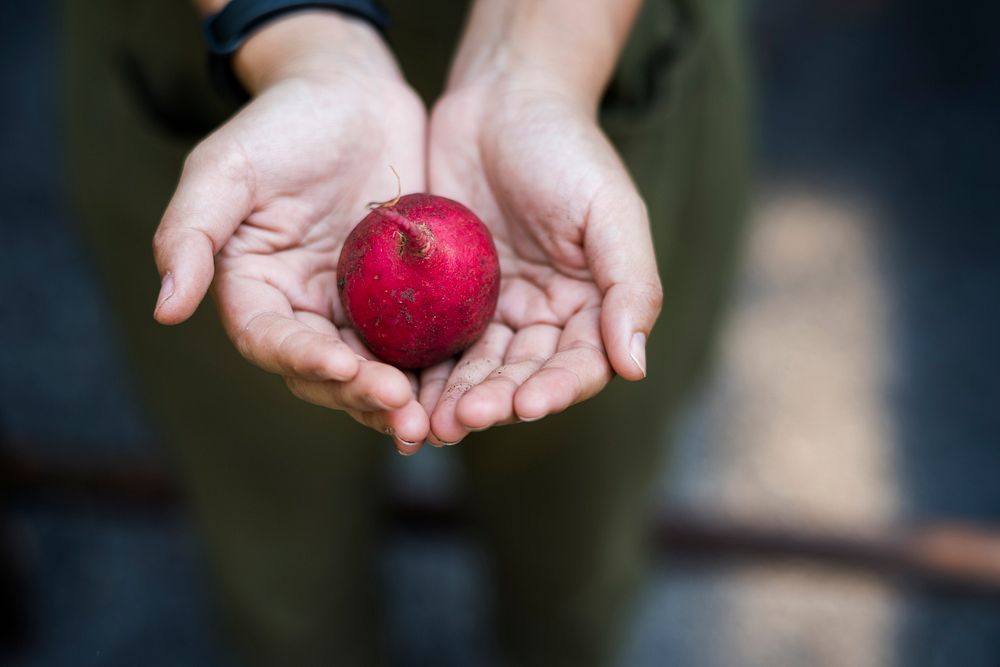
{"type": "Point", "coordinates": [264, 204]}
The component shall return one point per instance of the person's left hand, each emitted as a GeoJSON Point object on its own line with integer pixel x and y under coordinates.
{"type": "Point", "coordinates": [580, 290]}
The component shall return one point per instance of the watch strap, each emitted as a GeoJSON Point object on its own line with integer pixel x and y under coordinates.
{"type": "Point", "coordinates": [226, 31]}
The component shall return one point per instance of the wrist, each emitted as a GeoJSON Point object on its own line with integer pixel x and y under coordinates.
{"type": "Point", "coordinates": [312, 45]}
{"type": "Point", "coordinates": [559, 46]}
{"type": "Point", "coordinates": [523, 67]}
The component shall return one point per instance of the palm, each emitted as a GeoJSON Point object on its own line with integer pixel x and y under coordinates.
{"type": "Point", "coordinates": [278, 188]}
{"type": "Point", "coordinates": [310, 180]}
{"type": "Point", "coordinates": [535, 179]}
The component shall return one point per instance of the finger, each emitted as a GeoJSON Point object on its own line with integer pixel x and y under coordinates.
{"type": "Point", "coordinates": [363, 354]}
{"type": "Point", "coordinates": [376, 387]}
{"type": "Point", "coordinates": [432, 383]}
{"type": "Point", "coordinates": [619, 249]}
{"type": "Point", "coordinates": [491, 402]}
{"type": "Point", "coordinates": [212, 198]}
{"type": "Point", "coordinates": [411, 376]}
{"type": "Point", "coordinates": [263, 327]}
{"type": "Point", "coordinates": [317, 322]}
{"type": "Point", "coordinates": [408, 426]}
{"type": "Point", "coordinates": [475, 366]}
{"type": "Point", "coordinates": [361, 350]}
{"type": "Point", "coordinates": [577, 371]}
{"type": "Point", "coordinates": [350, 336]}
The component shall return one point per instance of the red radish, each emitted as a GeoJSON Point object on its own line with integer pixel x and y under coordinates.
{"type": "Point", "coordinates": [419, 278]}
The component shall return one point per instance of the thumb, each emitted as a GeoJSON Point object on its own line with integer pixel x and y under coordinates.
{"type": "Point", "coordinates": [619, 249]}
{"type": "Point", "coordinates": [212, 198]}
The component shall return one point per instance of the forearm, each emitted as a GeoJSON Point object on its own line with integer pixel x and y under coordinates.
{"type": "Point", "coordinates": [567, 43]}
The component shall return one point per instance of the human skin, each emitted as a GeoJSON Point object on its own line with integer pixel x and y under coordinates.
{"type": "Point", "coordinates": [515, 137]}
{"type": "Point", "coordinates": [264, 203]}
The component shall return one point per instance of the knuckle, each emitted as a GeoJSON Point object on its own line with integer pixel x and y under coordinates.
{"type": "Point", "coordinates": [654, 295]}
{"type": "Point", "coordinates": [527, 360]}
{"type": "Point", "coordinates": [159, 241]}
{"type": "Point", "coordinates": [295, 388]}
{"type": "Point", "coordinates": [253, 335]}
{"type": "Point", "coordinates": [226, 159]}
{"type": "Point", "coordinates": [244, 343]}
{"type": "Point", "coordinates": [566, 373]}
{"type": "Point", "coordinates": [648, 295]}
{"type": "Point", "coordinates": [297, 359]}
{"type": "Point", "coordinates": [299, 368]}
{"type": "Point", "coordinates": [196, 158]}
{"type": "Point", "coordinates": [587, 348]}
{"type": "Point", "coordinates": [369, 396]}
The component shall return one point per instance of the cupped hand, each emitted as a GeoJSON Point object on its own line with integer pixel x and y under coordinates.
{"type": "Point", "coordinates": [264, 204]}
{"type": "Point", "coordinates": [580, 290]}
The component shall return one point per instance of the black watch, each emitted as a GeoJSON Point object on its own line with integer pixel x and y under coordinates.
{"type": "Point", "coordinates": [229, 29]}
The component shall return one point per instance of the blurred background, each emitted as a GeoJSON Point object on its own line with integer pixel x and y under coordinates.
{"type": "Point", "coordinates": [834, 498]}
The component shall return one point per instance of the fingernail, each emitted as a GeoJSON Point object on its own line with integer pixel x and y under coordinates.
{"type": "Point", "coordinates": [404, 443]}
{"type": "Point", "coordinates": [530, 419]}
{"type": "Point", "coordinates": [637, 350]}
{"type": "Point", "coordinates": [166, 290]}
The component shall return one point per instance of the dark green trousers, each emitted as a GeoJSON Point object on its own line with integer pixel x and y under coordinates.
{"type": "Point", "coordinates": [287, 494]}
